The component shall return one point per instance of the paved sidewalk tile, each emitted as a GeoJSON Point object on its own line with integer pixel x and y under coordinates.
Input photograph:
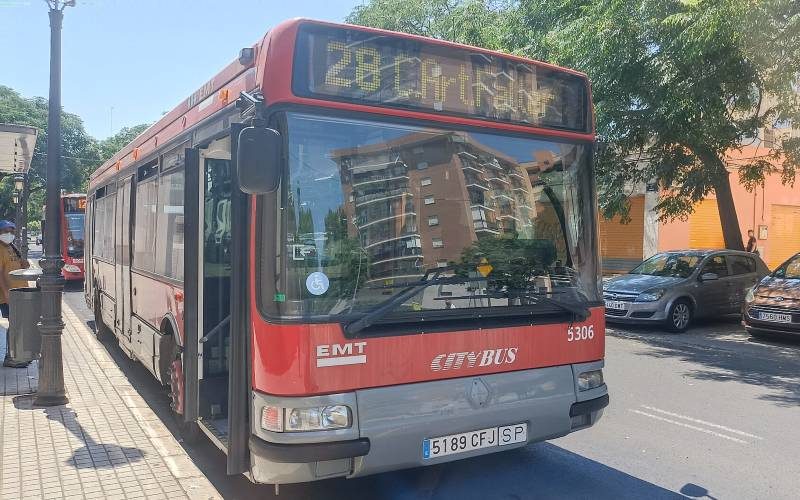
{"type": "Point", "coordinates": [106, 443]}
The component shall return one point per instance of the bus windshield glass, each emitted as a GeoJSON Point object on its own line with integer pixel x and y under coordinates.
{"type": "Point", "coordinates": [74, 229]}
{"type": "Point", "coordinates": [369, 210]}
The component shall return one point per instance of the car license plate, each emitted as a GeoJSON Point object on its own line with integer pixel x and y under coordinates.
{"type": "Point", "coordinates": [775, 317]}
{"type": "Point", "coordinates": [474, 440]}
{"type": "Point", "coordinates": [616, 304]}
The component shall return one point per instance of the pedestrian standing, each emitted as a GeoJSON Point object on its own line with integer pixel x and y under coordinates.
{"type": "Point", "coordinates": [751, 242]}
{"type": "Point", "coordinates": [10, 260]}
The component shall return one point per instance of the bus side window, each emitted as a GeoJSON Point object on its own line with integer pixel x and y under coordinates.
{"type": "Point", "coordinates": [170, 233]}
{"type": "Point", "coordinates": [145, 225]}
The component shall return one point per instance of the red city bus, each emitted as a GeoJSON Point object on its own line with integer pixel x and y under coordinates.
{"type": "Point", "coordinates": [355, 251]}
{"type": "Point", "coordinates": [73, 219]}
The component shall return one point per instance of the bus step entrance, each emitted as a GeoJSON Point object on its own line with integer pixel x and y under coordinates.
{"type": "Point", "coordinates": [217, 431]}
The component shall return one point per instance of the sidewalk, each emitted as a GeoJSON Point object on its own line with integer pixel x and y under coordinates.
{"type": "Point", "coordinates": [106, 443]}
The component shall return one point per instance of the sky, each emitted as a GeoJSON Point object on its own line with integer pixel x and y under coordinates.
{"type": "Point", "coordinates": [125, 62]}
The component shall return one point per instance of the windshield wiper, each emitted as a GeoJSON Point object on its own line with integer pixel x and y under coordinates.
{"type": "Point", "coordinates": [389, 305]}
{"type": "Point", "coordinates": [579, 310]}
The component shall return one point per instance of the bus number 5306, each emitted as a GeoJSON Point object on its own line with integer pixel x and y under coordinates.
{"type": "Point", "coordinates": [580, 332]}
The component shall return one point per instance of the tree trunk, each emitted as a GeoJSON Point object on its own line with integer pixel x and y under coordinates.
{"type": "Point", "coordinates": [731, 231]}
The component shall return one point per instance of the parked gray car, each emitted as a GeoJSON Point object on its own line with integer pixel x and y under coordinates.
{"type": "Point", "coordinates": [675, 287]}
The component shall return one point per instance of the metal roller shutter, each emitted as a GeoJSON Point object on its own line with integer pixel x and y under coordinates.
{"type": "Point", "coordinates": [784, 234]}
{"type": "Point", "coordinates": [621, 244]}
{"type": "Point", "coordinates": [705, 229]}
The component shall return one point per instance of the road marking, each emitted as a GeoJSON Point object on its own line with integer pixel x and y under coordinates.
{"type": "Point", "coordinates": [688, 426]}
{"type": "Point", "coordinates": [703, 422]}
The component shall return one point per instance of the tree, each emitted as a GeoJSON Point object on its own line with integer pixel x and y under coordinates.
{"type": "Point", "coordinates": [476, 22]}
{"type": "Point", "coordinates": [676, 85]}
{"type": "Point", "coordinates": [110, 145]}
{"type": "Point", "coordinates": [80, 152]}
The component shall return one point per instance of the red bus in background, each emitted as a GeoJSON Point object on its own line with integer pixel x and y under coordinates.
{"type": "Point", "coordinates": [73, 221]}
{"type": "Point", "coordinates": [354, 251]}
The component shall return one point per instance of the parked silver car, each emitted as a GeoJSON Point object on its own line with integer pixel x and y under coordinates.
{"type": "Point", "coordinates": [675, 287]}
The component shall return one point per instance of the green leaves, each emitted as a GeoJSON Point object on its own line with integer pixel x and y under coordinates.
{"type": "Point", "coordinates": [81, 153]}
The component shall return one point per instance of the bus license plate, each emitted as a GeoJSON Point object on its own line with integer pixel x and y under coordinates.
{"type": "Point", "coordinates": [775, 317]}
{"type": "Point", "coordinates": [616, 304]}
{"type": "Point", "coordinates": [474, 440]}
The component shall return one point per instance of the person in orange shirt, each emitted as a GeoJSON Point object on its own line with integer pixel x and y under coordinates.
{"type": "Point", "coordinates": [10, 260]}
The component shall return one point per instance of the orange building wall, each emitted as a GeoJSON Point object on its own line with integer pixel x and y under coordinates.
{"type": "Point", "coordinates": [752, 209]}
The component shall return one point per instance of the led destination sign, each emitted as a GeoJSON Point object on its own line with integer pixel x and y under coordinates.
{"type": "Point", "coordinates": [361, 67]}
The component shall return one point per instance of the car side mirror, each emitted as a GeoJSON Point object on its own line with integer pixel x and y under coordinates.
{"type": "Point", "coordinates": [258, 160]}
{"type": "Point", "coordinates": [709, 277]}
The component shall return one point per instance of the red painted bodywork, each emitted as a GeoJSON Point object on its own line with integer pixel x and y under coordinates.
{"type": "Point", "coordinates": [153, 300]}
{"type": "Point", "coordinates": [284, 356]}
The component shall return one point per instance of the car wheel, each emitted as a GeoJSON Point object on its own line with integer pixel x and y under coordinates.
{"type": "Point", "coordinates": [679, 316]}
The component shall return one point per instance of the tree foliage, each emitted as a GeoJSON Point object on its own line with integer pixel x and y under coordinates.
{"type": "Point", "coordinates": [677, 84]}
{"type": "Point", "coordinates": [81, 153]}
{"type": "Point", "coordinates": [110, 145]}
{"type": "Point", "coordinates": [478, 22]}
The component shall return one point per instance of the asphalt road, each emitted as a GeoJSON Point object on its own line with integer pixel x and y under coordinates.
{"type": "Point", "coordinates": [706, 414]}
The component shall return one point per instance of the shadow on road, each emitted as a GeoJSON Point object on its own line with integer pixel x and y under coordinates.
{"type": "Point", "coordinates": [728, 353]}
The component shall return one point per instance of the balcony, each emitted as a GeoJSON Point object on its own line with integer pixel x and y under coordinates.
{"type": "Point", "coordinates": [386, 177]}
{"type": "Point", "coordinates": [382, 196]}
{"type": "Point", "coordinates": [365, 223]}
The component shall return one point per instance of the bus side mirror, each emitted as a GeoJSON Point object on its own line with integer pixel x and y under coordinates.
{"type": "Point", "coordinates": [258, 160]}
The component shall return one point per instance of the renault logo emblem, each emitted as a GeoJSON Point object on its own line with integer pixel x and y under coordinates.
{"type": "Point", "coordinates": [478, 393]}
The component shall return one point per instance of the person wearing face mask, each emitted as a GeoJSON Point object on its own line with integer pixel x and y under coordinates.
{"type": "Point", "coordinates": [10, 260]}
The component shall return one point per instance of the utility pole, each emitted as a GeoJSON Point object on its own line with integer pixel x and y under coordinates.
{"type": "Point", "coordinates": [51, 391]}
{"type": "Point", "coordinates": [21, 216]}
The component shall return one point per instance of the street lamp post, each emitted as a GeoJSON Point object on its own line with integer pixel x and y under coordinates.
{"type": "Point", "coordinates": [51, 389]}
{"type": "Point", "coordinates": [21, 219]}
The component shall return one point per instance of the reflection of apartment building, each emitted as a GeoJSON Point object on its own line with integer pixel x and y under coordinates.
{"type": "Point", "coordinates": [419, 200]}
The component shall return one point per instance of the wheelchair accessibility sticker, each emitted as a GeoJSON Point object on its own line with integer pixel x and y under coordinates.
{"type": "Point", "coordinates": [317, 283]}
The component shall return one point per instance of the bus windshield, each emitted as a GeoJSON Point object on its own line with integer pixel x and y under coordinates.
{"type": "Point", "coordinates": [74, 229]}
{"type": "Point", "coordinates": [369, 209]}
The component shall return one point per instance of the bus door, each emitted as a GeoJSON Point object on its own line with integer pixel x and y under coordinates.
{"type": "Point", "coordinates": [211, 203]}
{"type": "Point", "coordinates": [88, 231]}
{"type": "Point", "coordinates": [122, 268]}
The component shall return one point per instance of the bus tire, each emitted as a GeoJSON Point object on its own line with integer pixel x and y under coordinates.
{"type": "Point", "coordinates": [680, 316]}
{"type": "Point", "coordinates": [101, 331]}
{"type": "Point", "coordinates": [188, 431]}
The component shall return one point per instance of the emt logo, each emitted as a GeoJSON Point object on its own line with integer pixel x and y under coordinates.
{"type": "Point", "coordinates": [341, 354]}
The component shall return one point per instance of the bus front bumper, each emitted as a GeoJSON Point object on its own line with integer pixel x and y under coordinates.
{"type": "Point", "coordinates": [391, 423]}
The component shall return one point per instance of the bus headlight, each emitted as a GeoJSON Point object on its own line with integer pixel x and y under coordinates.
{"type": "Point", "coordinates": [72, 268]}
{"type": "Point", "coordinates": [590, 380]}
{"type": "Point", "coordinates": [321, 418]}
